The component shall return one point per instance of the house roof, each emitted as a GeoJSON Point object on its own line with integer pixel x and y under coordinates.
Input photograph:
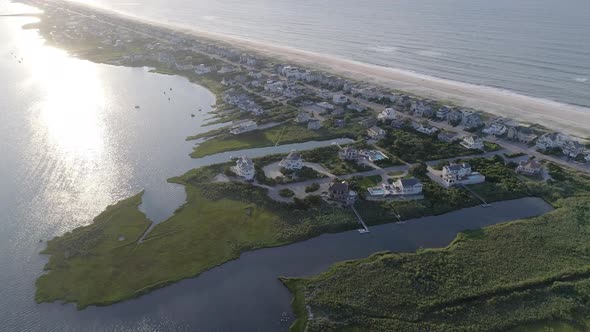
{"type": "Point", "coordinates": [456, 167]}
{"type": "Point", "coordinates": [531, 164]}
{"type": "Point", "coordinates": [409, 182]}
{"type": "Point", "coordinates": [244, 162]}
{"type": "Point", "coordinates": [293, 156]}
{"type": "Point", "coordinates": [339, 186]}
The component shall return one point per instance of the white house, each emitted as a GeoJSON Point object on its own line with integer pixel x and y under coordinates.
{"type": "Point", "coordinates": [243, 127]}
{"type": "Point", "coordinates": [551, 140]}
{"type": "Point", "coordinates": [473, 143]}
{"type": "Point", "coordinates": [408, 186]}
{"type": "Point", "coordinates": [460, 174]}
{"type": "Point", "coordinates": [348, 153]}
{"type": "Point", "coordinates": [376, 133]}
{"type": "Point", "coordinates": [387, 114]}
{"type": "Point", "coordinates": [244, 168]}
{"type": "Point", "coordinates": [292, 161]}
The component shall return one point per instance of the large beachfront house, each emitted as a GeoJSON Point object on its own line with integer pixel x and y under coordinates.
{"type": "Point", "coordinates": [292, 162]}
{"type": "Point", "coordinates": [457, 174]}
{"type": "Point", "coordinates": [244, 168]}
{"type": "Point", "coordinates": [400, 188]}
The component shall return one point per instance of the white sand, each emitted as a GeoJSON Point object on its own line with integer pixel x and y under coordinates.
{"type": "Point", "coordinates": [571, 119]}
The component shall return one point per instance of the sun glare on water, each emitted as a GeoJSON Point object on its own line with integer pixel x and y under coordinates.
{"type": "Point", "coordinates": [73, 99]}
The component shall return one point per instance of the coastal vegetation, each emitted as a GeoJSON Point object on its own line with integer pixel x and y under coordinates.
{"type": "Point", "coordinates": [283, 134]}
{"type": "Point", "coordinates": [413, 147]}
{"type": "Point", "coordinates": [495, 279]}
{"type": "Point", "coordinates": [105, 262]}
{"type": "Point", "coordinates": [529, 273]}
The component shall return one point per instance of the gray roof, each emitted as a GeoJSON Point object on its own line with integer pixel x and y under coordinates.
{"type": "Point", "coordinates": [409, 182]}
{"type": "Point", "coordinates": [339, 186]}
{"type": "Point", "coordinates": [456, 167]}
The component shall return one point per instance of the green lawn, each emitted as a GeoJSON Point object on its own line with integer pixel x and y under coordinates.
{"type": "Point", "coordinates": [494, 279]}
{"type": "Point", "coordinates": [90, 266]}
{"type": "Point", "coordinates": [283, 134]}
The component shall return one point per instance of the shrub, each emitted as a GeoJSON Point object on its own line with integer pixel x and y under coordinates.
{"type": "Point", "coordinates": [312, 187]}
{"type": "Point", "coordinates": [286, 193]}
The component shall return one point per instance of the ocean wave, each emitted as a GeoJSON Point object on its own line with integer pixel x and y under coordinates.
{"type": "Point", "coordinates": [581, 79]}
{"type": "Point", "coordinates": [383, 49]}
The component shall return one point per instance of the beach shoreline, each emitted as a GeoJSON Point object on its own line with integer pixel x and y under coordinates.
{"type": "Point", "coordinates": [571, 119]}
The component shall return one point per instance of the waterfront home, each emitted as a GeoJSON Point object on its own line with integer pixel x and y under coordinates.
{"type": "Point", "coordinates": [302, 117]}
{"type": "Point", "coordinates": [376, 133]}
{"type": "Point", "coordinates": [292, 162]}
{"type": "Point", "coordinates": [243, 127]}
{"type": "Point", "coordinates": [338, 112]}
{"type": "Point", "coordinates": [568, 146]}
{"type": "Point", "coordinates": [442, 112]}
{"type": "Point", "coordinates": [399, 123]}
{"type": "Point", "coordinates": [340, 192]}
{"type": "Point", "coordinates": [424, 128]}
{"type": "Point", "coordinates": [529, 167]}
{"type": "Point", "coordinates": [325, 107]}
{"type": "Point", "coordinates": [184, 65]}
{"type": "Point", "coordinates": [348, 153]}
{"type": "Point", "coordinates": [339, 99]}
{"type": "Point", "coordinates": [456, 174]}
{"type": "Point", "coordinates": [422, 109]}
{"type": "Point", "coordinates": [455, 117]}
{"type": "Point", "coordinates": [275, 87]}
{"type": "Point", "coordinates": [401, 187]}
{"type": "Point", "coordinates": [245, 168]}
{"type": "Point", "coordinates": [473, 143]}
{"type": "Point", "coordinates": [587, 158]}
{"type": "Point", "coordinates": [471, 120]}
{"type": "Point", "coordinates": [202, 69]}
{"type": "Point", "coordinates": [387, 115]}
{"type": "Point", "coordinates": [520, 134]}
{"type": "Point", "coordinates": [573, 149]}
{"type": "Point", "coordinates": [314, 124]}
{"type": "Point", "coordinates": [495, 129]}
{"type": "Point", "coordinates": [409, 186]}
{"type": "Point", "coordinates": [447, 136]}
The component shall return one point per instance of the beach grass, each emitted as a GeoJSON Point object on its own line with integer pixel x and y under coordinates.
{"type": "Point", "coordinates": [498, 278]}
{"type": "Point", "coordinates": [90, 266]}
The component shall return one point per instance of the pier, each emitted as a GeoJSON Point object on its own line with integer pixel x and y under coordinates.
{"type": "Point", "coordinates": [365, 228]}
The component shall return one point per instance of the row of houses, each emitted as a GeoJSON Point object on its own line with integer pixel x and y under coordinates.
{"type": "Point", "coordinates": [243, 102]}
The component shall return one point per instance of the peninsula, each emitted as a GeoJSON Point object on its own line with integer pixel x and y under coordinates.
{"type": "Point", "coordinates": [407, 155]}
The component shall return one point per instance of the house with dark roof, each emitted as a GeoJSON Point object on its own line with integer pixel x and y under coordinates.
{"type": "Point", "coordinates": [529, 167]}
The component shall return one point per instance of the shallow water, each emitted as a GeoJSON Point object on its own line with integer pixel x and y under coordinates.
{"type": "Point", "coordinates": [539, 48]}
{"type": "Point", "coordinates": [72, 142]}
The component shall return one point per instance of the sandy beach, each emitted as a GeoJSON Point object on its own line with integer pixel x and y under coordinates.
{"type": "Point", "coordinates": [571, 119]}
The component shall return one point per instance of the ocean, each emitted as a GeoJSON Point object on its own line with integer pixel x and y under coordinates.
{"type": "Point", "coordinates": [539, 48]}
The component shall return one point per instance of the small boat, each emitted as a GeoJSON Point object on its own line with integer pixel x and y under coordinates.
{"type": "Point", "coordinates": [168, 98]}
{"type": "Point", "coordinates": [164, 92]}
{"type": "Point", "coordinates": [170, 89]}
{"type": "Point", "coordinates": [192, 115]}
{"type": "Point", "coordinates": [136, 106]}
{"type": "Point", "coordinates": [200, 109]}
